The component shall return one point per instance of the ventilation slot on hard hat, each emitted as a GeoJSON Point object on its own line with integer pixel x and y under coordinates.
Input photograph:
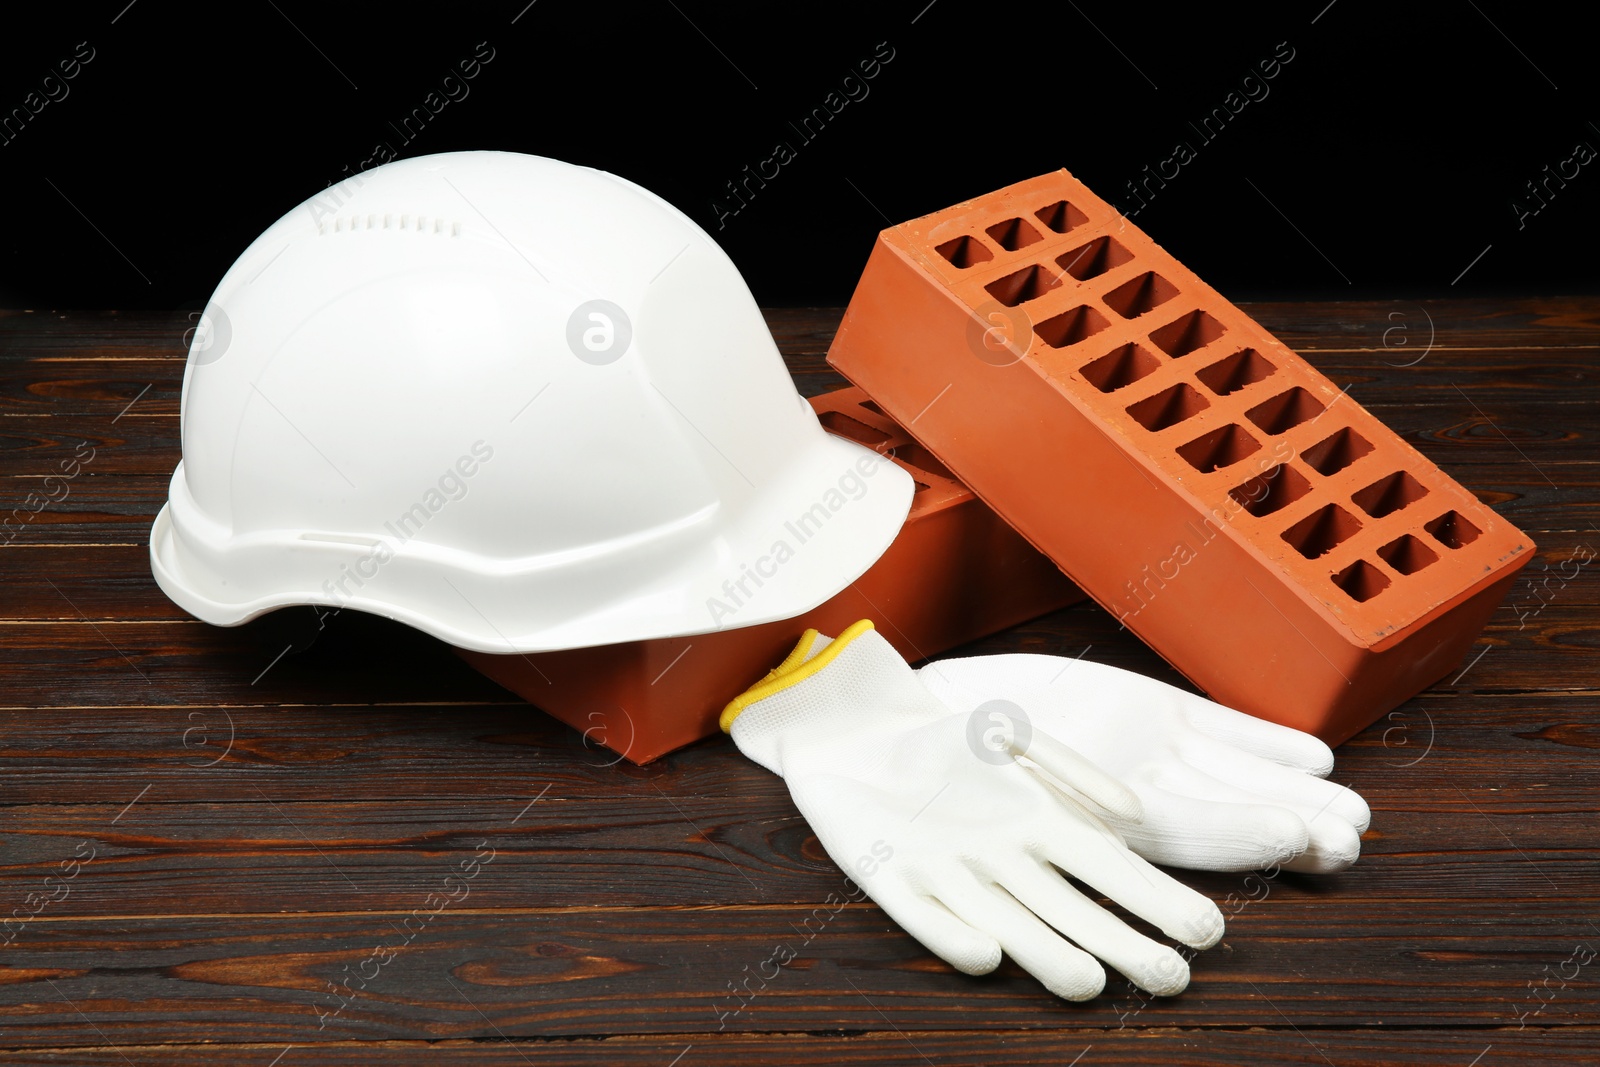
{"type": "Point", "coordinates": [390, 221]}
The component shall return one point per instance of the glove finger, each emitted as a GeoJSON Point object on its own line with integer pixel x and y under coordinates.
{"type": "Point", "coordinates": [1063, 968]}
{"type": "Point", "coordinates": [1093, 857]}
{"type": "Point", "coordinates": [1083, 776]}
{"type": "Point", "coordinates": [968, 950]}
{"type": "Point", "coordinates": [1334, 845]}
{"type": "Point", "coordinates": [1246, 829]}
{"type": "Point", "coordinates": [1193, 821]}
{"type": "Point", "coordinates": [1268, 740]}
{"type": "Point", "coordinates": [1217, 835]}
{"type": "Point", "coordinates": [1069, 683]}
{"type": "Point", "coordinates": [1147, 963]}
{"type": "Point", "coordinates": [1312, 797]}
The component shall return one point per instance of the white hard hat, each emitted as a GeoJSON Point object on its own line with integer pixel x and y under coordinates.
{"type": "Point", "coordinates": [515, 403]}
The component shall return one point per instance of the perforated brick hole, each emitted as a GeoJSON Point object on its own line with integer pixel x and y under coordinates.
{"type": "Point", "coordinates": [1184, 335]}
{"type": "Point", "coordinates": [1094, 259]}
{"type": "Point", "coordinates": [1061, 216]}
{"type": "Point", "coordinates": [1144, 293]}
{"type": "Point", "coordinates": [1071, 327]}
{"type": "Point", "coordinates": [1124, 366]}
{"type": "Point", "coordinates": [1407, 554]}
{"type": "Point", "coordinates": [965, 252]}
{"type": "Point", "coordinates": [1334, 453]}
{"type": "Point", "coordinates": [1013, 234]}
{"type": "Point", "coordinates": [837, 422]}
{"type": "Point", "coordinates": [1271, 490]}
{"type": "Point", "coordinates": [1321, 531]}
{"type": "Point", "coordinates": [1169, 407]}
{"type": "Point", "coordinates": [1029, 283]}
{"type": "Point", "coordinates": [1362, 581]}
{"type": "Point", "coordinates": [1222, 447]}
{"type": "Point", "coordinates": [1285, 411]}
{"type": "Point", "coordinates": [1452, 530]}
{"type": "Point", "coordinates": [916, 456]}
{"type": "Point", "coordinates": [1244, 367]}
{"type": "Point", "coordinates": [1389, 494]}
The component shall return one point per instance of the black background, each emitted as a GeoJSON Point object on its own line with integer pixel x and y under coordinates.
{"type": "Point", "coordinates": [1386, 157]}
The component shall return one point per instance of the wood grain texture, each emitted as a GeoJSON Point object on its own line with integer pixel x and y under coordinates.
{"type": "Point", "coordinates": [1131, 1047]}
{"type": "Point", "coordinates": [593, 971]}
{"type": "Point", "coordinates": [255, 811]}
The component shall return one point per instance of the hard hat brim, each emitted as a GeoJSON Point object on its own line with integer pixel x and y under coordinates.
{"type": "Point", "coordinates": [778, 561]}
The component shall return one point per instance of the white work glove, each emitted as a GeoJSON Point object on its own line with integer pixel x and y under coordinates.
{"type": "Point", "coordinates": [1221, 790]}
{"type": "Point", "coordinates": [960, 843]}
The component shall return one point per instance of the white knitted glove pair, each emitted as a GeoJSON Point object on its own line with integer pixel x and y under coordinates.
{"type": "Point", "coordinates": [959, 812]}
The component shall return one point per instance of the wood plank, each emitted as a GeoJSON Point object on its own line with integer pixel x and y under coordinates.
{"type": "Point", "coordinates": [36, 444]}
{"type": "Point", "coordinates": [1398, 328]}
{"type": "Point", "coordinates": [360, 752]}
{"type": "Point", "coordinates": [585, 971]}
{"type": "Point", "coordinates": [362, 659]}
{"type": "Point", "coordinates": [1469, 323]}
{"type": "Point", "coordinates": [247, 849]}
{"type": "Point", "coordinates": [1061, 1043]}
{"type": "Point", "coordinates": [334, 753]}
{"type": "Point", "coordinates": [1412, 759]}
{"type": "Point", "coordinates": [283, 657]}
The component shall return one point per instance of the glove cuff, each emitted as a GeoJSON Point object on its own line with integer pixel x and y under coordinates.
{"type": "Point", "coordinates": [828, 702]}
{"type": "Point", "coordinates": [804, 654]}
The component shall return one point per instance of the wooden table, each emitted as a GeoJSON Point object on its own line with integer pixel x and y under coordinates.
{"type": "Point", "coordinates": [250, 816]}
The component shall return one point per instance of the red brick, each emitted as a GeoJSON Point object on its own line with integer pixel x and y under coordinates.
{"type": "Point", "coordinates": [1267, 535]}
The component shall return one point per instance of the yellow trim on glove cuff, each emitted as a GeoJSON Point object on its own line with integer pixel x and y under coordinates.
{"type": "Point", "coordinates": [796, 656]}
{"type": "Point", "coordinates": [794, 669]}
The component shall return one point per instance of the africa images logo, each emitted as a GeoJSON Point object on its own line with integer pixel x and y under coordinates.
{"type": "Point", "coordinates": [737, 591]}
{"type": "Point", "coordinates": [451, 486]}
